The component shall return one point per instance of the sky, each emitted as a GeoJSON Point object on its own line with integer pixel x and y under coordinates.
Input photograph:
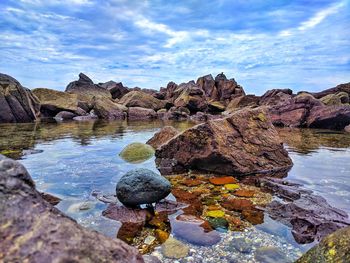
{"type": "Point", "coordinates": [263, 44]}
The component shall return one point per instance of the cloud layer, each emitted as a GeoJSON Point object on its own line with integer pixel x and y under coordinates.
{"type": "Point", "coordinates": [262, 44]}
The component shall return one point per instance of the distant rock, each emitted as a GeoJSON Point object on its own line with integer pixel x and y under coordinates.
{"type": "Point", "coordinates": [337, 99]}
{"type": "Point", "coordinates": [116, 89]}
{"type": "Point", "coordinates": [109, 110]}
{"type": "Point", "coordinates": [207, 84]}
{"type": "Point", "coordinates": [53, 101]}
{"type": "Point", "coordinates": [243, 143]}
{"type": "Point", "coordinates": [35, 231]}
{"type": "Point", "coordinates": [143, 100]}
{"type": "Point", "coordinates": [191, 96]}
{"type": "Point", "coordinates": [17, 104]}
{"type": "Point", "coordinates": [142, 186]}
{"type": "Point", "coordinates": [138, 113]}
{"type": "Point", "coordinates": [162, 136]}
{"type": "Point", "coordinates": [227, 88]}
{"type": "Point", "coordinates": [339, 88]}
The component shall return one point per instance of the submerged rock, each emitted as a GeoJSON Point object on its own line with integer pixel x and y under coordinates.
{"type": "Point", "coordinates": [33, 230]}
{"type": "Point", "coordinates": [162, 136]}
{"type": "Point", "coordinates": [17, 104]}
{"type": "Point", "coordinates": [137, 152]}
{"type": "Point", "coordinates": [244, 143]}
{"type": "Point", "coordinates": [173, 248]}
{"type": "Point", "coordinates": [142, 186]}
{"type": "Point", "coordinates": [333, 248]}
{"type": "Point", "coordinates": [270, 255]}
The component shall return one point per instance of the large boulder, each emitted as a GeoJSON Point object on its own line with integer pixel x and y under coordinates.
{"type": "Point", "coordinates": [53, 101]}
{"type": "Point", "coordinates": [116, 89]}
{"type": "Point", "coordinates": [143, 100]}
{"type": "Point", "coordinates": [191, 96]}
{"type": "Point", "coordinates": [87, 90]}
{"type": "Point", "coordinates": [331, 117]}
{"type": "Point", "coordinates": [275, 97]}
{"type": "Point", "coordinates": [207, 84]}
{"type": "Point", "coordinates": [244, 143]}
{"type": "Point", "coordinates": [162, 136]}
{"type": "Point", "coordinates": [227, 88]}
{"type": "Point", "coordinates": [17, 104]}
{"type": "Point", "coordinates": [241, 102]}
{"type": "Point", "coordinates": [335, 248]}
{"type": "Point", "coordinates": [32, 230]}
{"type": "Point", "coordinates": [339, 98]}
{"type": "Point", "coordinates": [138, 113]}
{"type": "Point", "coordinates": [109, 110]}
{"type": "Point", "coordinates": [142, 186]}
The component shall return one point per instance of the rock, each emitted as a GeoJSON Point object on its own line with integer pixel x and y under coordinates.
{"type": "Point", "coordinates": [117, 90]}
{"type": "Point", "coordinates": [218, 223]}
{"type": "Point", "coordinates": [244, 193]}
{"type": "Point", "coordinates": [223, 180]}
{"type": "Point", "coordinates": [53, 101]}
{"type": "Point", "coordinates": [335, 99]}
{"type": "Point", "coordinates": [17, 104]}
{"type": "Point", "coordinates": [138, 113]}
{"type": "Point", "coordinates": [227, 89]}
{"type": "Point", "coordinates": [163, 136]}
{"type": "Point", "coordinates": [53, 200]}
{"type": "Point", "coordinates": [243, 245]}
{"type": "Point", "coordinates": [243, 143]}
{"type": "Point", "coordinates": [207, 84]}
{"type": "Point", "coordinates": [90, 117]}
{"type": "Point", "coordinates": [333, 248]}
{"type": "Point", "coordinates": [65, 115]}
{"type": "Point", "coordinates": [143, 100]}
{"type": "Point", "coordinates": [270, 255]}
{"type": "Point", "coordinates": [236, 204]}
{"type": "Point", "coordinates": [347, 128]}
{"type": "Point", "coordinates": [190, 96]}
{"type": "Point", "coordinates": [215, 107]}
{"type": "Point", "coordinates": [241, 102]}
{"type": "Point", "coordinates": [35, 231]}
{"type": "Point", "coordinates": [310, 215]}
{"type": "Point", "coordinates": [276, 97]}
{"type": "Point", "coordinates": [136, 152]}
{"type": "Point", "coordinates": [109, 110]}
{"type": "Point", "coordinates": [142, 186]}
{"type": "Point", "coordinates": [340, 88]}
{"type": "Point", "coordinates": [331, 117]}
{"type": "Point", "coordinates": [151, 259]}
{"type": "Point", "coordinates": [86, 90]}
{"type": "Point", "coordinates": [173, 248]}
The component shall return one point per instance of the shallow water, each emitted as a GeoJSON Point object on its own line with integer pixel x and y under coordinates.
{"type": "Point", "coordinates": [71, 160]}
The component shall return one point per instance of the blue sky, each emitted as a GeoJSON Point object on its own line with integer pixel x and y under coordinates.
{"type": "Point", "coordinates": [301, 44]}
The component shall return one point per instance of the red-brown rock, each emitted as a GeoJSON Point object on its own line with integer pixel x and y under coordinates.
{"type": "Point", "coordinates": [162, 136]}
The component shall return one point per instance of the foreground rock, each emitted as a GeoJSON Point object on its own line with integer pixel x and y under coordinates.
{"type": "Point", "coordinates": [310, 216]}
{"type": "Point", "coordinates": [142, 186]}
{"type": "Point", "coordinates": [244, 143]}
{"type": "Point", "coordinates": [32, 230]}
{"type": "Point", "coordinates": [333, 248]}
{"type": "Point", "coordinates": [53, 101]}
{"type": "Point", "coordinates": [163, 136]}
{"type": "Point", "coordinates": [17, 104]}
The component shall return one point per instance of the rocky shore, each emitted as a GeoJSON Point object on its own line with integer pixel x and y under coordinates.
{"type": "Point", "coordinates": [207, 98]}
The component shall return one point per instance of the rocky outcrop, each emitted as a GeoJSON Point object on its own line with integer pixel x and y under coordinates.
{"type": "Point", "coordinates": [17, 104]}
{"type": "Point", "coordinates": [227, 88]}
{"type": "Point", "coordinates": [339, 98]}
{"type": "Point", "coordinates": [310, 216]}
{"type": "Point", "coordinates": [334, 248]}
{"type": "Point", "coordinates": [142, 186]}
{"type": "Point", "coordinates": [32, 230]}
{"type": "Point", "coordinates": [191, 96]}
{"type": "Point", "coordinates": [162, 136]}
{"type": "Point", "coordinates": [241, 102]}
{"type": "Point", "coordinates": [331, 117]}
{"type": "Point", "coordinates": [138, 113]}
{"type": "Point", "coordinates": [243, 143]}
{"type": "Point", "coordinates": [340, 88]}
{"type": "Point", "coordinates": [207, 84]}
{"type": "Point", "coordinates": [116, 89]}
{"type": "Point", "coordinates": [109, 110]}
{"type": "Point", "coordinates": [143, 100]}
{"type": "Point", "coordinates": [53, 101]}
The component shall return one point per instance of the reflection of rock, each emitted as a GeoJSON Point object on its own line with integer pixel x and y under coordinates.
{"type": "Point", "coordinates": [142, 186]}
{"type": "Point", "coordinates": [333, 248]}
{"type": "Point", "coordinates": [162, 136]}
{"type": "Point", "coordinates": [136, 152]}
{"type": "Point", "coordinates": [17, 104]}
{"type": "Point", "coordinates": [243, 143]}
{"type": "Point", "coordinates": [33, 230]}
{"type": "Point", "coordinates": [310, 215]}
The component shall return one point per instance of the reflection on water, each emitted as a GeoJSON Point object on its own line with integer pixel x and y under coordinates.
{"type": "Point", "coordinates": [73, 159]}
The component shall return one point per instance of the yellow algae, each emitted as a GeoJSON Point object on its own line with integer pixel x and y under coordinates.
{"type": "Point", "coordinates": [215, 213]}
{"type": "Point", "coordinates": [231, 186]}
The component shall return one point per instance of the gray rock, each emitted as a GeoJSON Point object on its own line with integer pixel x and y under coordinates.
{"type": "Point", "coordinates": [64, 115]}
{"type": "Point", "coordinates": [142, 186]}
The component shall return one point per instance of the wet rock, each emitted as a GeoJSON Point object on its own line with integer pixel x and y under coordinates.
{"type": "Point", "coordinates": [109, 110]}
{"type": "Point", "coordinates": [347, 128]}
{"type": "Point", "coordinates": [34, 231]}
{"type": "Point", "coordinates": [169, 206]}
{"type": "Point", "coordinates": [270, 255]}
{"type": "Point", "coordinates": [236, 204]}
{"type": "Point", "coordinates": [17, 104]}
{"type": "Point", "coordinates": [116, 89]}
{"type": "Point", "coordinates": [195, 206]}
{"type": "Point", "coordinates": [331, 117]}
{"type": "Point", "coordinates": [137, 152]}
{"type": "Point", "coordinates": [143, 100]}
{"type": "Point", "coordinates": [142, 186]}
{"type": "Point", "coordinates": [53, 101]}
{"type": "Point", "coordinates": [244, 193]}
{"type": "Point", "coordinates": [53, 200]}
{"type": "Point", "coordinates": [243, 143]}
{"type": "Point", "coordinates": [243, 245]}
{"type": "Point", "coordinates": [173, 248]}
{"type": "Point", "coordinates": [223, 180]}
{"type": "Point", "coordinates": [162, 136]}
{"type": "Point", "coordinates": [151, 259]}
{"type": "Point", "coordinates": [333, 248]}
{"type": "Point", "coordinates": [138, 113]}
{"type": "Point", "coordinates": [65, 115]}
{"type": "Point", "coordinates": [90, 117]}
{"type": "Point", "coordinates": [310, 215]}
{"type": "Point", "coordinates": [253, 216]}
{"type": "Point", "coordinates": [218, 223]}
